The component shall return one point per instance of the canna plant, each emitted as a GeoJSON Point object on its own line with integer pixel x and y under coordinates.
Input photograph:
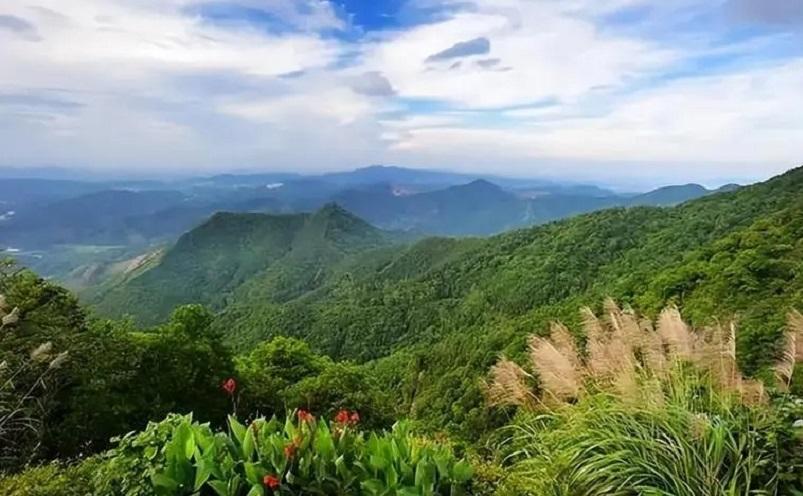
{"type": "Point", "coordinates": [303, 455]}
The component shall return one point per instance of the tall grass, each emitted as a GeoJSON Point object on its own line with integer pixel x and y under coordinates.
{"type": "Point", "coordinates": [642, 409]}
{"type": "Point", "coordinates": [23, 385]}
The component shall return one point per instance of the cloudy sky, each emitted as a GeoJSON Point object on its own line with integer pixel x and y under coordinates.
{"type": "Point", "coordinates": [601, 90]}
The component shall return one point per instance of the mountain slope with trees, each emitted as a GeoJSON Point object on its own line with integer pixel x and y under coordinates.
{"type": "Point", "coordinates": [291, 254]}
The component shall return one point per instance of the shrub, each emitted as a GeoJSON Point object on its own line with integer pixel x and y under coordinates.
{"type": "Point", "coordinates": [53, 479]}
{"type": "Point", "coordinates": [136, 458]}
{"type": "Point", "coordinates": [644, 410]}
{"type": "Point", "coordinates": [306, 456]}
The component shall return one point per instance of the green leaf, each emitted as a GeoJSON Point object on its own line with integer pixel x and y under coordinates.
{"type": "Point", "coordinates": [254, 472]}
{"type": "Point", "coordinates": [220, 487]}
{"type": "Point", "coordinates": [424, 474]}
{"type": "Point", "coordinates": [462, 471]}
{"type": "Point", "coordinates": [379, 462]}
{"type": "Point", "coordinates": [256, 490]}
{"type": "Point", "coordinates": [373, 486]}
{"type": "Point", "coordinates": [248, 444]}
{"type": "Point", "coordinates": [237, 429]}
{"type": "Point", "coordinates": [163, 481]}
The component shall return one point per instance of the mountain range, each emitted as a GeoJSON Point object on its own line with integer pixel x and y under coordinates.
{"type": "Point", "coordinates": [448, 307]}
{"type": "Point", "coordinates": [61, 226]}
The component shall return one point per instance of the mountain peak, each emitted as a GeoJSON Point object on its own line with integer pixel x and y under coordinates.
{"type": "Point", "coordinates": [332, 209]}
{"type": "Point", "coordinates": [482, 184]}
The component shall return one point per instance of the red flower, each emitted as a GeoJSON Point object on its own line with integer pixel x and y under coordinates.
{"type": "Point", "coordinates": [271, 481]}
{"type": "Point", "coordinates": [230, 386]}
{"type": "Point", "coordinates": [355, 417]}
{"type": "Point", "coordinates": [305, 416]}
{"type": "Point", "coordinates": [342, 417]}
{"type": "Point", "coordinates": [290, 450]}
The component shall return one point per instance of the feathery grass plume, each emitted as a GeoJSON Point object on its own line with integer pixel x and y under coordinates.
{"type": "Point", "coordinates": [508, 385]}
{"type": "Point", "coordinates": [42, 352]}
{"type": "Point", "coordinates": [752, 392]}
{"type": "Point", "coordinates": [557, 372]}
{"type": "Point", "coordinates": [59, 360]}
{"type": "Point", "coordinates": [718, 355]}
{"type": "Point", "coordinates": [600, 363]}
{"type": "Point", "coordinates": [11, 318]}
{"type": "Point", "coordinates": [791, 351]}
{"type": "Point", "coordinates": [676, 335]}
{"type": "Point", "coordinates": [795, 325]}
{"type": "Point", "coordinates": [564, 342]}
{"type": "Point", "coordinates": [3, 305]}
{"type": "Point", "coordinates": [592, 326]}
{"type": "Point", "coordinates": [615, 321]}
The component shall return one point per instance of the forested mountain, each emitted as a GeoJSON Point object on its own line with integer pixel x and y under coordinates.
{"type": "Point", "coordinates": [47, 219]}
{"type": "Point", "coordinates": [451, 306]}
{"type": "Point", "coordinates": [288, 254]}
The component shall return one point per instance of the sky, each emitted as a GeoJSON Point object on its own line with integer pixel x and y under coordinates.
{"type": "Point", "coordinates": [615, 91]}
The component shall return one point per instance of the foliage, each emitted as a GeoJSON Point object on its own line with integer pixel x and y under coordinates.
{"type": "Point", "coordinates": [284, 373]}
{"type": "Point", "coordinates": [270, 368]}
{"type": "Point", "coordinates": [25, 383]}
{"type": "Point", "coordinates": [645, 410]}
{"type": "Point", "coordinates": [53, 479]}
{"type": "Point", "coordinates": [117, 378]}
{"type": "Point", "coordinates": [137, 457]}
{"type": "Point", "coordinates": [122, 378]}
{"type": "Point", "coordinates": [604, 446]}
{"type": "Point", "coordinates": [307, 456]}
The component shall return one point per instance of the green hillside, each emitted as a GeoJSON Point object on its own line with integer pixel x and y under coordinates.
{"type": "Point", "coordinates": [288, 254]}
{"type": "Point", "coordinates": [441, 311]}
{"type": "Point", "coordinates": [431, 317]}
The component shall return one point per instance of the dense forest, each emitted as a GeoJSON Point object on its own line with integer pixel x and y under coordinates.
{"type": "Point", "coordinates": [352, 360]}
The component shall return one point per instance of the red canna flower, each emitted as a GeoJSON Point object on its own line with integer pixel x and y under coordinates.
{"type": "Point", "coordinates": [271, 481]}
{"type": "Point", "coordinates": [355, 417]}
{"type": "Point", "coordinates": [305, 416]}
{"type": "Point", "coordinates": [230, 386]}
{"type": "Point", "coordinates": [290, 450]}
{"type": "Point", "coordinates": [342, 417]}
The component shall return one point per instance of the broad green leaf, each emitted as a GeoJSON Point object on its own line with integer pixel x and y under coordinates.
{"type": "Point", "coordinates": [462, 471]}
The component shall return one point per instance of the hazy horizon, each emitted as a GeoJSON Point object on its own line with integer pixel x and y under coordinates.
{"type": "Point", "coordinates": [621, 185]}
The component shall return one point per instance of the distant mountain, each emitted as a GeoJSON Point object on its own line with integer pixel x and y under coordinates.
{"type": "Point", "coordinates": [18, 193]}
{"type": "Point", "coordinates": [287, 255]}
{"type": "Point", "coordinates": [670, 195]}
{"type": "Point", "coordinates": [482, 208]}
{"type": "Point", "coordinates": [476, 208]}
{"type": "Point", "coordinates": [57, 224]}
{"type": "Point", "coordinates": [94, 218]}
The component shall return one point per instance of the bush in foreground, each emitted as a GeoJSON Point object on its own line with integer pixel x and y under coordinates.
{"type": "Point", "coordinates": [306, 456]}
{"type": "Point", "coordinates": [643, 409]}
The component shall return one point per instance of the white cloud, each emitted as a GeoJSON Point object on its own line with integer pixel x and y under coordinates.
{"type": "Point", "coordinates": [743, 119]}
{"type": "Point", "coordinates": [145, 83]}
{"type": "Point", "coordinates": [545, 54]}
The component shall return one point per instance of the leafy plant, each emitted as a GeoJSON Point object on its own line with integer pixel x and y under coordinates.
{"type": "Point", "coordinates": [306, 456]}
{"type": "Point", "coordinates": [643, 410]}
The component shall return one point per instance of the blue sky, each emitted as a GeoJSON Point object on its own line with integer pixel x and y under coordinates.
{"type": "Point", "coordinates": [628, 92]}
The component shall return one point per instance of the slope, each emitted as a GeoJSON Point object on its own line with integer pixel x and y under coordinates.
{"type": "Point", "coordinates": [290, 254]}
{"type": "Point", "coordinates": [441, 312]}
